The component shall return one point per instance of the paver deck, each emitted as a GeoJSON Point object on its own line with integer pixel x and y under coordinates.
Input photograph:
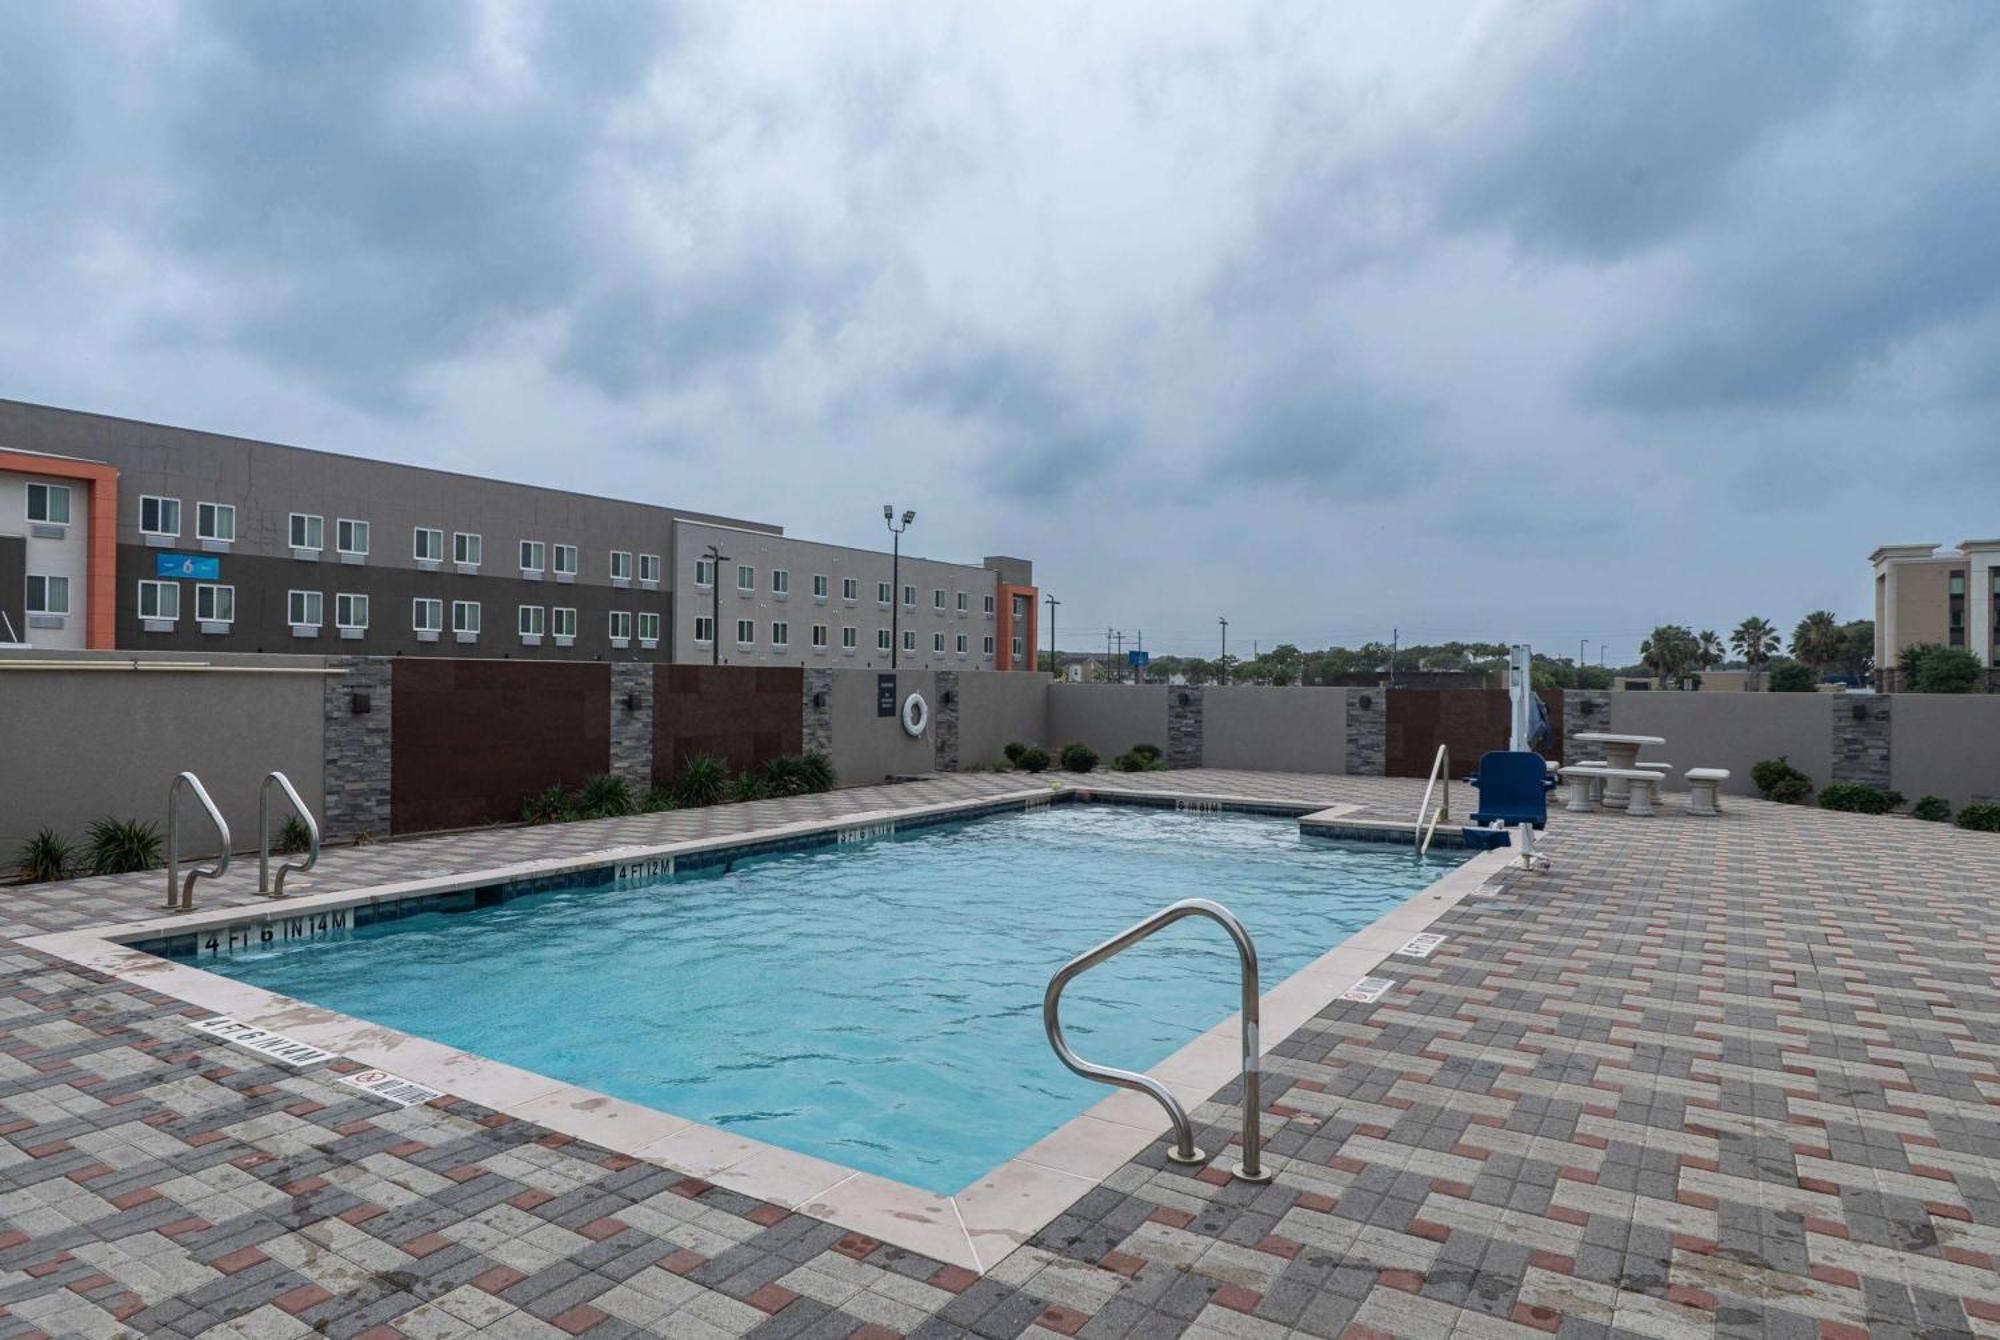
{"type": "Point", "coordinates": [1731, 1076]}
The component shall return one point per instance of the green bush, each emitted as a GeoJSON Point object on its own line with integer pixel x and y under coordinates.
{"type": "Point", "coordinates": [1150, 752]}
{"type": "Point", "coordinates": [1033, 759]}
{"type": "Point", "coordinates": [818, 770]}
{"type": "Point", "coordinates": [605, 796]}
{"type": "Point", "coordinates": [293, 836]}
{"type": "Point", "coordinates": [1776, 779]}
{"type": "Point", "coordinates": [703, 781]}
{"type": "Point", "coordinates": [1932, 809]}
{"type": "Point", "coordinates": [1947, 670]}
{"type": "Point", "coordinates": [1982, 818]}
{"type": "Point", "coordinates": [46, 856]}
{"type": "Point", "coordinates": [1140, 758]}
{"type": "Point", "coordinates": [785, 776]}
{"type": "Point", "coordinates": [553, 805]}
{"type": "Point", "coordinates": [1859, 798]}
{"type": "Point", "coordinates": [122, 846]}
{"type": "Point", "coordinates": [1013, 751]}
{"type": "Point", "coordinates": [1129, 762]}
{"type": "Point", "coordinates": [749, 786]}
{"type": "Point", "coordinates": [1078, 758]}
{"type": "Point", "coordinates": [656, 799]}
{"type": "Point", "coordinates": [1792, 677]}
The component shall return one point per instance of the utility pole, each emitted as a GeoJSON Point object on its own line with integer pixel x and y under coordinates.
{"type": "Point", "coordinates": [1119, 664]}
{"type": "Point", "coordinates": [1055, 666]}
{"type": "Point", "coordinates": [1222, 663]}
{"type": "Point", "coordinates": [716, 558]}
{"type": "Point", "coordinates": [896, 578]}
{"type": "Point", "coordinates": [1395, 640]}
{"type": "Point", "coordinates": [1581, 643]}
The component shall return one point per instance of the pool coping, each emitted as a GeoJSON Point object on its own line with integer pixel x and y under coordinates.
{"type": "Point", "coordinates": [975, 1228]}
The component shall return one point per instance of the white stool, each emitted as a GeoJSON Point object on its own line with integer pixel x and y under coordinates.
{"type": "Point", "coordinates": [1703, 789]}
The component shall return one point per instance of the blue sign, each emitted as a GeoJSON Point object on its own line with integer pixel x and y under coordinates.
{"type": "Point", "coordinates": [1139, 660]}
{"type": "Point", "coordinates": [187, 567]}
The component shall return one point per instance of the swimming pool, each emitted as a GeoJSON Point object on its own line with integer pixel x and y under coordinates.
{"type": "Point", "coordinates": [876, 1004]}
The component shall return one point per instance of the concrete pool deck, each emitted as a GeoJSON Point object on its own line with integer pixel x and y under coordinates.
{"type": "Point", "coordinates": [1705, 1076]}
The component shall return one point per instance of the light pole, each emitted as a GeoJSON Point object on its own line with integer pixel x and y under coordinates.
{"type": "Point", "coordinates": [1118, 665]}
{"type": "Point", "coordinates": [895, 578]}
{"type": "Point", "coordinates": [1055, 666]}
{"type": "Point", "coordinates": [1581, 643]}
{"type": "Point", "coordinates": [1222, 664]}
{"type": "Point", "coordinates": [716, 558]}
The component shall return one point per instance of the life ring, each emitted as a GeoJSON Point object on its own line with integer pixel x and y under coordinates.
{"type": "Point", "coordinates": [916, 715]}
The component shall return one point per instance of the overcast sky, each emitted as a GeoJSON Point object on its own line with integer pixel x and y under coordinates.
{"type": "Point", "coordinates": [1540, 321]}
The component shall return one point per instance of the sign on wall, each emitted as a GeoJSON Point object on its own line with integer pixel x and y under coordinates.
{"type": "Point", "coordinates": [187, 567]}
{"type": "Point", "coordinates": [885, 695]}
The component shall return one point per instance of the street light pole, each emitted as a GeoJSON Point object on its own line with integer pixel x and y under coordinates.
{"type": "Point", "coordinates": [1055, 666]}
{"type": "Point", "coordinates": [896, 578]}
{"type": "Point", "coordinates": [716, 558]}
{"type": "Point", "coordinates": [1222, 665]}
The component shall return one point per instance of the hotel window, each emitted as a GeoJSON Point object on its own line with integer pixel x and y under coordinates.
{"type": "Point", "coordinates": [909, 639]}
{"type": "Point", "coordinates": [427, 615]}
{"type": "Point", "coordinates": [937, 599]}
{"type": "Point", "coordinates": [986, 645]}
{"type": "Point", "coordinates": [1996, 615]}
{"type": "Point", "coordinates": [160, 516]}
{"type": "Point", "coordinates": [48, 595]}
{"type": "Point", "coordinates": [849, 588]}
{"type": "Point", "coordinates": [427, 544]}
{"type": "Point", "coordinates": [746, 633]}
{"type": "Point", "coordinates": [350, 611]}
{"type": "Point", "coordinates": [563, 620]}
{"type": "Point", "coordinates": [964, 603]}
{"type": "Point", "coordinates": [533, 552]}
{"type": "Point", "coordinates": [988, 601]}
{"type": "Point", "coordinates": [849, 638]}
{"type": "Point", "coordinates": [781, 636]}
{"type": "Point", "coordinates": [781, 582]}
{"type": "Point", "coordinates": [215, 521]}
{"type": "Point", "coordinates": [961, 644]}
{"type": "Point", "coordinates": [467, 550]}
{"type": "Point", "coordinates": [649, 628]}
{"type": "Point", "coordinates": [746, 578]}
{"type": "Point", "coordinates": [704, 629]}
{"type": "Point", "coordinates": [1017, 648]}
{"type": "Point", "coordinates": [215, 604]}
{"type": "Point", "coordinates": [621, 565]}
{"type": "Point", "coordinates": [937, 643]}
{"type": "Point", "coordinates": [565, 560]}
{"type": "Point", "coordinates": [1957, 603]}
{"type": "Point", "coordinates": [305, 609]}
{"type": "Point", "coordinates": [160, 600]}
{"type": "Point", "coordinates": [819, 637]}
{"type": "Point", "coordinates": [881, 639]}
{"type": "Point", "coordinates": [351, 537]}
{"type": "Point", "coordinates": [909, 597]}
{"type": "Point", "coordinates": [704, 573]}
{"type": "Point", "coordinates": [819, 586]}
{"type": "Point", "coordinates": [49, 503]}
{"type": "Point", "coordinates": [649, 568]}
{"type": "Point", "coordinates": [465, 617]}
{"type": "Point", "coordinates": [532, 621]}
{"type": "Point", "coordinates": [308, 531]}
{"type": "Point", "coordinates": [882, 594]}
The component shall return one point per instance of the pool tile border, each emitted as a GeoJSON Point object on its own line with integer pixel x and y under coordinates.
{"type": "Point", "coordinates": [975, 1229]}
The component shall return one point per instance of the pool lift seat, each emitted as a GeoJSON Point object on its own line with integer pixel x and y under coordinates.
{"type": "Point", "coordinates": [1513, 786]}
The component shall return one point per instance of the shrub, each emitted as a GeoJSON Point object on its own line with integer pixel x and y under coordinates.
{"type": "Point", "coordinates": [48, 855]}
{"type": "Point", "coordinates": [1792, 677]}
{"type": "Point", "coordinates": [656, 799]}
{"type": "Point", "coordinates": [1032, 760]}
{"type": "Point", "coordinates": [1946, 670]}
{"type": "Point", "coordinates": [1982, 818]}
{"type": "Point", "coordinates": [1776, 779]}
{"type": "Point", "coordinates": [749, 786]}
{"type": "Point", "coordinates": [1858, 798]}
{"type": "Point", "coordinates": [703, 781]}
{"type": "Point", "coordinates": [785, 776]}
{"type": "Point", "coordinates": [293, 836]}
{"type": "Point", "coordinates": [1013, 751]}
{"type": "Point", "coordinates": [605, 796]}
{"type": "Point", "coordinates": [1140, 758]}
{"type": "Point", "coordinates": [1078, 758]}
{"type": "Point", "coordinates": [1150, 752]}
{"type": "Point", "coordinates": [1932, 809]}
{"type": "Point", "coordinates": [818, 770]}
{"type": "Point", "coordinates": [122, 846]}
{"type": "Point", "coordinates": [1129, 762]}
{"type": "Point", "coordinates": [553, 805]}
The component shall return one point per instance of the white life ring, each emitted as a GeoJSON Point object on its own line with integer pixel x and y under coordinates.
{"type": "Point", "coordinates": [916, 715]}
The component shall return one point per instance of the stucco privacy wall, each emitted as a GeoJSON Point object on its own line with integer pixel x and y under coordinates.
{"type": "Point", "coordinates": [1109, 718]}
{"type": "Point", "coordinates": [1731, 730]}
{"type": "Point", "coordinates": [867, 747]}
{"type": "Point", "coordinates": [996, 708]}
{"type": "Point", "coordinates": [1946, 745]}
{"type": "Point", "coordinates": [1275, 729]}
{"type": "Point", "coordinates": [76, 745]}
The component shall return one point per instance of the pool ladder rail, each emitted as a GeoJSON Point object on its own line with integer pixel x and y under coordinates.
{"type": "Point", "coordinates": [264, 885]}
{"type": "Point", "coordinates": [1251, 1169]}
{"type": "Point", "coordinates": [180, 892]}
{"type": "Point", "coordinates": [1440, 768]}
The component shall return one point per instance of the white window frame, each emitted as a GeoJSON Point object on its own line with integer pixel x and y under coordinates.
{"type": "Point", "coordinates": [850, 637]}
{"type": "Point", "coordinates": [820, 587]}
{"type": "Point", "coordinates": [746, 627]}
{"type": "Point", "coordinates": [530, 621]}
{"type": "Point", "coordinates": [962, 645]}
{"type": "Point", "coordinates": [314, 533]}
{"type": "Point", "coordinates": [427, 615]}
{"type": "Point", "coordinates": [884, 593]}
{"type": "Point", "coordinates": [536, 550]}
{"type": "Point", "coordinates": [989, 606]}
{"type": "Point", "coordinates": [299, 601]}
{"type": "Point", "coordinates": [460, 549]}
{"type": "Point", "coordinates": [987, 648]}
{"type": "Point", "coordinates": [699, 640]}
{"type": "Point", "coordinates": [850, 589]}
{"type": "Point", "coordinates": [344, 609]}
{"type": "Point", "coordinates": [781, 635]}
{"type": "Point", "coordinates": [819, 637]}
{"type": "Point", "coordinates": [207, 514]}
{"type": "Point", "coordinates": [459, 627]}
{"type": "Point", "coordinates": [937, 599]}
{"type": "Point", "coordinates": [562, 624]}
{"type": "Point", "coordinates": [621, 578]}
{"type": "Point", "coordinates": [162, 505]}
{"type": "Point", "coordinates": [344, 535]}
{"type": "Point", "coordinates": [781, 582]}
{"type": "Point", "coordinates": [427, 561]}
{"type": "Point", "coordinates": [909, 596]}
{"type": "Point", "coordinates": [882, 642]}
{"type": "Point", "coordinates": [649, 572]}
{"type": "Point", "coordinates": [910, 640]}
{"type": "Point", "coordinates": [49, 493]}
{"type": "Point", "coordinates": [746, 579]}
{"type": "Point", "coordinates": [213, 591]}
{"type": "Point", "coordinates": [964, 604]}
{"type": "Point", "coordinates": [1018, 648]}
{"type": "Point", "coordinates": [563, 562]}
{"type": "Point", "coordinates": [157, 589]}
{"type": "Point", "coordinates": [649, 629]}
{"type": "Point", "coordinates": [704, 573]}
{"type": "Point", "coordinates": [937, 644]}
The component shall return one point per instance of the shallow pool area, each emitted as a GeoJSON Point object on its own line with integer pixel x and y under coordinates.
{"type": "Point", "coordinates": [873, 1003]}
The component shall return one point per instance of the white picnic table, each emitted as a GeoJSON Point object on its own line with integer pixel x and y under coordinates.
{"type": "Point", "coordinates": [1621, 753]}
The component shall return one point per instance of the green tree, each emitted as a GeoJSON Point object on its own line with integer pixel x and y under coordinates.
{"type": "Point", "coordinates": [1793, 677]}
{"type": "Point", "coordinates": [1756, 641]}
{"type": "Point", "coordinates": [1817, 641]}
{"type": "Point", "coordinates": [1670, 652]}
{"type": "Point", "coordinates": [1931, 668]}
{"type": "Point", "coordinates": [1857, 650]}
{"type": "Point", "coordinates": [1708, 650]}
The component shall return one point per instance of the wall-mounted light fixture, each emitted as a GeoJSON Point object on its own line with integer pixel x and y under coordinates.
{"type": "Point", "coordinates": [1186, 698]}
{"type": "Point", "coordinates": [360, 705]}
{"type": "Point", "coordinates": [819, 700]}
{"type": "Point", "coordinates": [1367, 700]}
{"type": "Point", "coordinates": [632, 703]}
{"type": "Point", "coordinates": [950, 697]}
{"type": "Point", "coordinates": [1860, 711]}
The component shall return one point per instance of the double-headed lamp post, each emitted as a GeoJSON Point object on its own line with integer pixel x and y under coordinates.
{"type": "Point", "coordinates": [896, 578]}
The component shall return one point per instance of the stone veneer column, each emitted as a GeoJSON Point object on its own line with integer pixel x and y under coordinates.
{"type": "Point", "coordinates": [357, 747]}
{"type": "Point", "coordinates": [1367, 732]}
{"type": "Point", "coordinates": [1584, 710]}
{"type": "Point", "coordinates": [1861, 738]}
{"type": "Point", "coordinates": [817, 709]}
{"type": "Point", "coordinates": [632, 728]}
{"type": "Point", "coordinates": [1184, 727]}
{"type": "Point", "coordinates": [944, 721]}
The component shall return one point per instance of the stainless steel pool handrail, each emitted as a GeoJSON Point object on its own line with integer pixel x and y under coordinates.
{"type": "Point", "coordinates": [1440, 766]}
{"type": "Point", "coordinates": [264, 835]}
{"type": "Point", "coordinates": [174, 883]}
{"type": "Point", "coordinates": [1183, 1151]}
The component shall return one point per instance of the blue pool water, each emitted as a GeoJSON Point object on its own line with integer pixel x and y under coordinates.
{"type": "Point", "coordinates": [878, 1004]}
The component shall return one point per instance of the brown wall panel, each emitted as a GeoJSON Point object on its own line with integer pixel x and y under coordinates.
{"type": "Point", "coordinates": [472, 738]}
{"type": "Point", "coordinates": [743, 715]}
{"type": "Point", "coordinates": [1468, 721]}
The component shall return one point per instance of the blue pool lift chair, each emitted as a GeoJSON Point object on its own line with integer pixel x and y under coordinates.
{"type": "Point", "coordinates": [1514, 786]}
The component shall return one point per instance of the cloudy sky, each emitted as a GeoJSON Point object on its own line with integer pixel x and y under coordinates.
{"type": "Point", "coordinates": [1545, 320]}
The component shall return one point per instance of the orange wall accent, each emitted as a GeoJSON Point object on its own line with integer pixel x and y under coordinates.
{"type": "Point", "coordinates": [1003, 651]}
{"type": "Point", "coordinates": [101, 563]}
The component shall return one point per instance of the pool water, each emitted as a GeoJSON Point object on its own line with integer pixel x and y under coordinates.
{"type": "Point", "coordinates": [879, 1004]}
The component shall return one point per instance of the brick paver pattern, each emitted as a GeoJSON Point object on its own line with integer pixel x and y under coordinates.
{"type": "Point", "coordinates": [1730, 1076]}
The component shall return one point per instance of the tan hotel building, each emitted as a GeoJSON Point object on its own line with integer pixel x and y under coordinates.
{"type": "Point", "coordinates": [1925, 594]}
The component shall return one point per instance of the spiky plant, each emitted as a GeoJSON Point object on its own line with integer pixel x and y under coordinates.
{"type": "Point", "coordinates": [552, 805]}
{"type": "Point", "coordinates": [605, 796]}
{"type": "Point", "coordinates": [46, 856]}
{"type": "Point", "coordinates": [293, 836]}
{"type": "Point", "coordinates": [818, 770]}
{"type": "Point", "coordinates": [702, 781]}
{"type": "Point", "coordinates": [122, 846]}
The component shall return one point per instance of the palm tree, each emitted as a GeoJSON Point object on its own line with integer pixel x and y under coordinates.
{"type": "Point", "coordinates": [1756, 641]}
{"type": "Point", "coordinates": [1817, 641]}
{"type": "Point", "coordinates": [1708, 650]}
{"type": "Point", "coordinates": [1670, 650]}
